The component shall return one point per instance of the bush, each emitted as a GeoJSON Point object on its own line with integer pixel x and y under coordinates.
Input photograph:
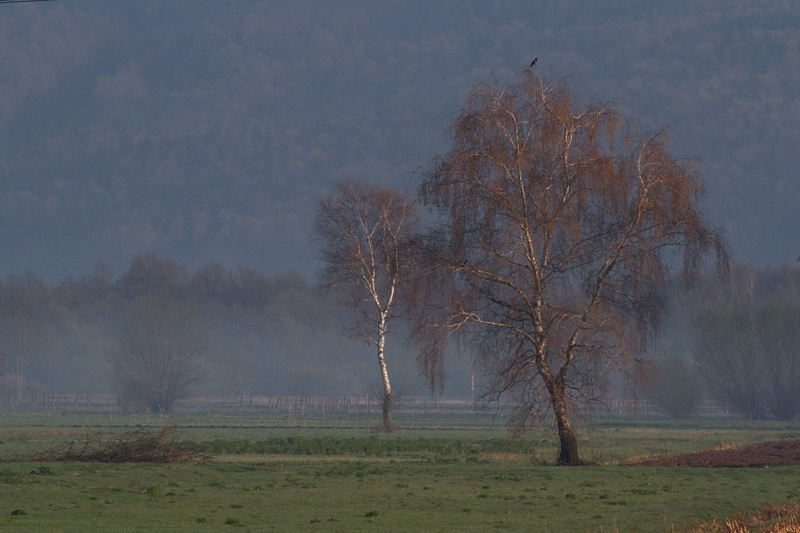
{"type": "Point", "coordinates": [367, 446]}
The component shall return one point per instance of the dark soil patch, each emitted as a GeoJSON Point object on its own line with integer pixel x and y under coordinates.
{"type": "Point", "coordinates": [778, 452]}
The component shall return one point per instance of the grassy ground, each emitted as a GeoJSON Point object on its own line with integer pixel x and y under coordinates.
{"type": "Point", "coordinates": [452, 474]}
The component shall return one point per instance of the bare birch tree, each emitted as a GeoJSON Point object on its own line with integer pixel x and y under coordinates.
{"type": "Point", "coordinates": [368, 233]}
{"type": "Point", "coordinates": [558, 227]}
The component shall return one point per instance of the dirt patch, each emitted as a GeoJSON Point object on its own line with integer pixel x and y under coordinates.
{"type": "Point", "coordinates": [764, 454]}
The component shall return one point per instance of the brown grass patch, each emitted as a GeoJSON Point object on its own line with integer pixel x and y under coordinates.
{"type": "Point", "coordinates": [772, 519]}
{"type": "Point", "coordinates": [642, 457]}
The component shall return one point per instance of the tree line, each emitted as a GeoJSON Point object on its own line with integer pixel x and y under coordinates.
{"type": "Point", "coordinates": [254, 333]}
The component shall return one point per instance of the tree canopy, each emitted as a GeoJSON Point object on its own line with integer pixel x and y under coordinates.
{"type": "Point", "coordinates": [558, 225]}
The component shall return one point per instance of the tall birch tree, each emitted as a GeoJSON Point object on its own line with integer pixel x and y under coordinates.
{"type": "Point", "coordinates": [368, 233]}
{"type": "Point", "coordinates": [557, 228]}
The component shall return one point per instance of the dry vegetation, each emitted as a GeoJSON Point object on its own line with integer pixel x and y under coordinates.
{"type": "Point", "coordinates": [772, 519]}
{"type": "Point", "coordinates": [137, 446]}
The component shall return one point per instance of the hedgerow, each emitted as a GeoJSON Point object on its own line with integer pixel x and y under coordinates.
{"type": "Point", "coordinates": [367, 446]}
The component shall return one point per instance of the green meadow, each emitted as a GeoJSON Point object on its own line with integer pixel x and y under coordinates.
{"type": "Point", "coordinates": [334, 473]}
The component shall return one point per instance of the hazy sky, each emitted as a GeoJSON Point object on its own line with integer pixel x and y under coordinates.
{"type": "Point", "coordinates": [207, 130]}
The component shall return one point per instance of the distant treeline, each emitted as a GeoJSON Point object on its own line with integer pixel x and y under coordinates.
{"type": "Point", "coordinates": [270, 334]}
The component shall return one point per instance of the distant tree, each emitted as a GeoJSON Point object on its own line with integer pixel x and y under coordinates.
{"type": "Point", "coordinates": [676, 389]}
{"type": "Point", "coordinates": [253, 288]}
{"type": "Point", "coordinates": [557, 229]}
{"type": "Point", "coordinates": [749, 352]}
{"type": "Point", "coordinates": [150, 274]}
{"type": "Point", "coordinates": [74, 292]}
{"type": "Point", "coordinates": [212, 282]}
{"type": "Point", "coordinates": [160, 354]}
{"type": "Point", "coordinates": [367, 234]}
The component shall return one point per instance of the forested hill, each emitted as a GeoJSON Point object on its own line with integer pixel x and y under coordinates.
{"type": "Point", "coordinates": [207, 130]}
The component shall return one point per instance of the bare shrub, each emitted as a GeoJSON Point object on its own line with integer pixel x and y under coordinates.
{"type": "Point", "coordinates": [161, 354]}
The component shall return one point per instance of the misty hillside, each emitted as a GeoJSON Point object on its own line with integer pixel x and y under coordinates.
{"type": "Point", "coordinates": [207, 130]}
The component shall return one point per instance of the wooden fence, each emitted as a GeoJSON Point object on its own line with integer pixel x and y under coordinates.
{"type": "Point", "coordinates": [307, 404]}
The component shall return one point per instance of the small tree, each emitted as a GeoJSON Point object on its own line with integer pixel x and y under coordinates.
{"type": "Point", "coordinates": [556, 234]}
{"type": "Point", "coordinates": [160, 354]}
{"type": "Point", "coordinates": [368, 233]}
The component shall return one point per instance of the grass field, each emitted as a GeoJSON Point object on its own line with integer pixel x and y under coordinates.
{"type": "Point", "coordinates": [442, 473]}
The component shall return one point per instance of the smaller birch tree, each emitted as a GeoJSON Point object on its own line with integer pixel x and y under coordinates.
{"type": "Point", "coordinates": [368, 233]}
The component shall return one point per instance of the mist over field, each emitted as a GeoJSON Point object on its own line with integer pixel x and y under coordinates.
{"type": "Point", "coordinates": [207, 131]}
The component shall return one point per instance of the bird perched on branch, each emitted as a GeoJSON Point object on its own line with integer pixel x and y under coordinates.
{"type": "Point", "coordinates": [533, 63]}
